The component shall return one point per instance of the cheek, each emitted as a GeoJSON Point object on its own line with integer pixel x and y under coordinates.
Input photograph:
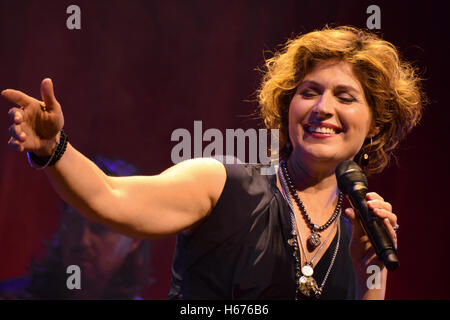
{"type": "Point", "coordinates": [296, 115]}
{"type": "Point", "coordinates": [298, 107]}
{"type": "Point", "coordinates": [357, 119]}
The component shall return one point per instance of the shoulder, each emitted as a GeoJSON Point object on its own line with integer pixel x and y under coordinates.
{"type": "Point", "coordinates": [217, 175]}
{"type": "Point", "coordinates": [245, 196]}
{"type": "Point", "coordinates": [202, 166]}
{"type": "Point", "coordinates": [246, 186]}
{"type": "Point", "coordinates": [237, 170]}
{"type": "Point", "coordinates": [200, 176]}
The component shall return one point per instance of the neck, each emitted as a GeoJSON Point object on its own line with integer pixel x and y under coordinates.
{"type": "Point", "coordinates": [312, 179]}
{"type": "Point", "coordinates": [317, 190]}
{"type": "Point", "coordinates": [314, 186]}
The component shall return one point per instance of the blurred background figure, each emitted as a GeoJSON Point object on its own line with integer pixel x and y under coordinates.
{"type": "Point", "coordinates": [112, 266]}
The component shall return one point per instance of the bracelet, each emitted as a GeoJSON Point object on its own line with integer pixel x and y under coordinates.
{"type": "Point", "coordinates": [44, 162]}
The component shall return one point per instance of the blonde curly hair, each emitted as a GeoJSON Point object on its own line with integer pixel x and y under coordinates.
{"type": "Point", "coordinates": [391, 86]}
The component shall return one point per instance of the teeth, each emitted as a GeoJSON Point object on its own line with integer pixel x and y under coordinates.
{"type": "Point", "coordinates": [325, 130]}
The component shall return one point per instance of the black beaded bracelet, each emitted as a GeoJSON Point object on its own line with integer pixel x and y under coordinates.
{"type": "Point", "coordinates": [56, 155]}
{"type": "Point", "coordinates": [61, 148]}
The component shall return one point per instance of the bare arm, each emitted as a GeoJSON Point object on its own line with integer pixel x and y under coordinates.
{"type": "Point", "coordinates": [139, 206]}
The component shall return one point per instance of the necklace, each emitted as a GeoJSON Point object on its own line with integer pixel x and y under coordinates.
{"type": "Point", "coordinates": [306, 284]}
{"type": "Point", "coordinates": [314, 238]}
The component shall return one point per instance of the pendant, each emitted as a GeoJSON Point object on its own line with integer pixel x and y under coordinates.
{"type": "Point", "coordinates": [308, 286]}
{"type": "Point", "coordinates": [314, 240]}
{"type": "Point", "coordinates": [318, 293]}
{"type": "Point", "coordinates": [307, 270]}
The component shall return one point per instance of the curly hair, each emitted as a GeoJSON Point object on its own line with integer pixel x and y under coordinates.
{"type": "Point", "coordinates": [391, 86]}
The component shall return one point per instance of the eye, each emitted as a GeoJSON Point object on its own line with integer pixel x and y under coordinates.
{"type": "Point", "coordinates": [346, 97]}
{"type": "Point", "coordinates": [308, 93]}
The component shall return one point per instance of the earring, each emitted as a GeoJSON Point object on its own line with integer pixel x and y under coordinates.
{"type": "Point", "coordinates": [365, 160]}
{"type": "Point", "coordinates": [365, 156]}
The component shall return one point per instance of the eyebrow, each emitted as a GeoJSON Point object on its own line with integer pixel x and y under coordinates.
{"type": "Point", "coordinates": [339, 87]}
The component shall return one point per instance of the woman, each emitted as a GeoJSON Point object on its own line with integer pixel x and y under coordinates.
{"type": "Point", "coordinates": [335, 94]}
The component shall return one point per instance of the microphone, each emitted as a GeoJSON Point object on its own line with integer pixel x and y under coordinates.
{"type": "Point", "coordinates": [353, 183]}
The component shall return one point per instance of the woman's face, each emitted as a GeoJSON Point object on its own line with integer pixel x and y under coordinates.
{"type": "Point", "coordinates": [329, 117]}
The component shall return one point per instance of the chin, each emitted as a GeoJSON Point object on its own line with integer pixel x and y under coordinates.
{"type": "Point", "coordinates": [319, 154]}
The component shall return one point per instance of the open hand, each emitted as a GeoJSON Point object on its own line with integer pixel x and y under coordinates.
{"type": "Point", "coordinates": [36, 124]}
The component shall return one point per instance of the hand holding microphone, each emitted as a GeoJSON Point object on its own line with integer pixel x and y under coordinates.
{"type": "Point", "coordinates": [353, 183]}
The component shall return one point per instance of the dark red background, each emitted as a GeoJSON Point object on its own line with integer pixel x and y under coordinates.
{"type": "Point", "coordinates": [138, 70]}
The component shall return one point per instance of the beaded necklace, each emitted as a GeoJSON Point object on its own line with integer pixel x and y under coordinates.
{"type": "Point", "coordinates": [314, 239]}
{"type": "Point", "coordinates": [306, 284]}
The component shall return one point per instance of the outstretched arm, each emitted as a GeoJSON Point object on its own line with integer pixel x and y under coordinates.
{"type": "Point", "coordinates": [138, 206]}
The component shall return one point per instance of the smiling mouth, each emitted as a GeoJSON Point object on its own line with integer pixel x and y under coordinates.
{"type": "Point", "coordinates": [322, 130]}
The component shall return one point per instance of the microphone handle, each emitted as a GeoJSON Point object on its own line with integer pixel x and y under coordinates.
{"type": "Point", "coordinates": [375, 230]}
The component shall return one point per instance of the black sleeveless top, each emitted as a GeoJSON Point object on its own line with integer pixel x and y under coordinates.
{"type": "Point", "coordinates": [240, 251]}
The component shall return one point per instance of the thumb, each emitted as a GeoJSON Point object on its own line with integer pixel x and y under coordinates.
{"type": "Point", "coordinates": [350, 213]}
{"type": "Point", "coordinates": [47, 94]}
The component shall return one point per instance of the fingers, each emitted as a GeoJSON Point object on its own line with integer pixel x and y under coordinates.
{"type": "Point", "coordinates": [16, 115]}
{"type": "Point", "coordinates": [361, 248]}
{"type": "Point", "coordinates": [373, 196]}
{"type": "Point", "coordinates": [15, 130]}
{"type": "Point", "coordinates": [17, 97]}
{"type": "Point", "coordinates": [379, 204]}
{"type": "Point", "coordinates": [384, 214]}
{"type": "Point", "coordinates": [15, 144]}
{"type": "Point", "coordinates": [391, 231]}
{"type": "Point", "coordinates": [18, 137]}
{"type": "Point", "coordinates": [47, 93]}
{"type": "Point", "coordinates": [350, 213]}
{"type": "Point", "coordinates": [16, 133]}
{"type": "Point", "coordinates": [23, 100]}
{"type": "Point", "coordinates": [381, 208]}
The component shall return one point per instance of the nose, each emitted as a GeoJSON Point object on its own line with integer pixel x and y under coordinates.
{"type": "Point", "coordinates": [324, 106]}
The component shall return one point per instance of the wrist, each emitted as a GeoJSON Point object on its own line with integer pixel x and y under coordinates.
{"type": "Point", "coordinates": [56, 153]}
{"type": "Point", "coordinates": [49, 147]}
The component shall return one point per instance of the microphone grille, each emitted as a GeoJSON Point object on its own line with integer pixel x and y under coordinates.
{"type": "Point", "coordinates": [348, 173]}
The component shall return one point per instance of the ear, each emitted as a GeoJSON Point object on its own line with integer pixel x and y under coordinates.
{"type": "Point", "coordinates": [373, 132]}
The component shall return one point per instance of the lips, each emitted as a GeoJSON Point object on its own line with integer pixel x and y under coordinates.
{"type": "Point", "coordinates": [322, 128]}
